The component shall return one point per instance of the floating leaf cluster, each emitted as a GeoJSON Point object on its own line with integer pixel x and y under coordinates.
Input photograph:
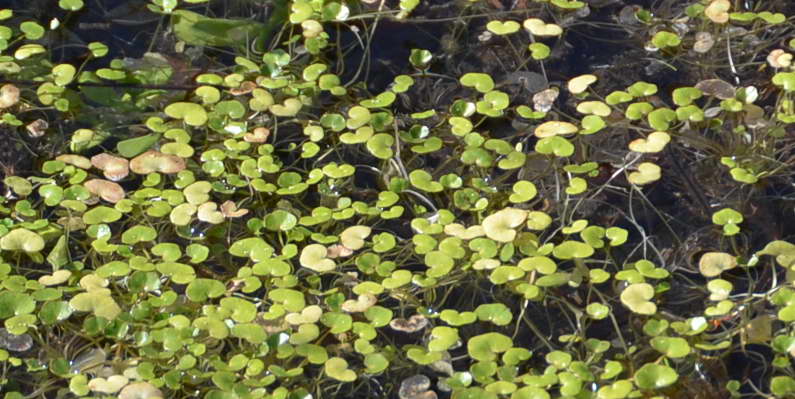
{"type": "Point", "coordinates": [273, 228]}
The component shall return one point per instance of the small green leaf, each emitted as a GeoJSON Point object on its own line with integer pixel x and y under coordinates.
{"type": "Point", "coordinates": [138, 234]}
{"type": "Point", "coordinates": [636, 297]}
{"type": "Point", "coordinates": [454, 318]}
{"type": "Point", "coordinates": [200, 289]}
{"type": "Point", "coordinates": [70, 5]}
{"type": "Point", "coordinates": [663, 39]}
{"type": "Point", "coordinates": [503, 28]}
{"type": "Point", "coordinates": [712, 264]}
{"type": "Point", "coordinates": [672, 347]}
{"type": "Point", "coordinates": [420, 58]}
{"type": "Point", "coordinates": [539, 51]}
{"type": "Point", "coordinates": [479, 81]}
{"type": "Point", "coordinates": [97, 301]}
{"type": "Point", "coordinates": [485, 347]}
{"type": "Point", "coordinates": [337, 368]}
{"type": "Point", "coordinates": [98, 49]}
{"type": "Point", "coordinates": [655, 376]}
{"type": "Point", "coordinates": [597, 310]}
{"type": "Point", "coordinates": [314, 257]}
{"type": "Point", "coordinates": [424, 181]}
{"type": "Point", "coordinates": [22, 240]}
{"type": "Point", "coordinates": [496, 313]}
{"type": "Point", "coordinates": [63, 74]}
{"type": "Point", "coordinates": [192, 114]}
{"type": "Point", "coordinates": [32, 30]}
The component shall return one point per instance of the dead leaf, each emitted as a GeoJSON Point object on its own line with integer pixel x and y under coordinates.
{"type": "Point", "coordinates": [229, 210]}
{"type": "Point", "coordinates": [413, 324]}
{"type": "Point", "coordinates": [716, 88]}
{"type": "Point", "coordinates": [260, 135]}
{"type": "Point", "coordinates": [37, 128]}
{"type": "Point", "coordinates": [9, 95]}
{"type": "Point", "coordinates": [114, 168]}
{"type": "Point", "coordinates": [244, 88]}
{"type": "Point", "coordinates": [107, 190]}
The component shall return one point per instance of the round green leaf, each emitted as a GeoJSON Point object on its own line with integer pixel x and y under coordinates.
{"type": "Point", "coordinates": [559, 146]}
{"type": "Point", "coordinates": [673, 347]}
{"type": "Point", "coordinates": [597, 310]}
{"type": "Point", "coordinates": [500, 225]}
{"type": "Point", "coordinates": [663, 39]}
{"type": "Point", "coordinates": [712, 264]}
{"type": "Point", "coordinates": [63, 74]}
{"type": "Point", "coordinates": [503, 28]}
{"type": "Point", "coordinates": [617, 390]}
{"type": "Point", "coordinates": [337, 368]}
{"type": "Point", "coordinates": [32, 30]}
{"type": "Point", "coordinates": [22, 240]}
{"type": "Point", "coordinates": [15, 304]}
{"type": "Point", "coordinates": [479, 81]}
{"type": "Point", "coordinates": [200, 289]}
{"type": "Point", "coordinates": [485, 347]}
{"type": "Point", "coordinates": [636, 297]}
{"type": "Point", "coordinates": [496, 313]}
{"type": "Point", "coordinates": [137, 234]}
{"type": "Point", "coordinates": [97, 301]}
{"type": "Point", "coordinates": [380, 145]}
{"type": "Point", "coordinates": [241, 310]}
{"type": "Point", "coordinates": [655, 376]}
{"type": "Point", "coordinates": [192, 114]}
{"type": "Point", "coordinates": [314, 257]}
{"type": "Point", "coordinates": [280, 220]}
{"type": "Point", "coordinates": [70, 5]}
{"type": "Point", "coordinates": [572, 249]}
{"type": "Point", "coordinates": [454, 318]}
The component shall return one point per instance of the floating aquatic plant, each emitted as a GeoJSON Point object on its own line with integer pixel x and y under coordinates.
{"type": "Point", "coordinates": [291, 227]}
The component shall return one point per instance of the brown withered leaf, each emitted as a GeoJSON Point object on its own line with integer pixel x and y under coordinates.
{"type": "Point", "coordinates": [9, 95]}
{"type": "Point", "coordinates": [244, 88]}
{"type": "Point", "coordinates": [779, 58]}
{"type": "Point", "coordinates": [155, 161]}
{"type": "Point", "coordinates": [114, 168]}
{"type": "Point", "coordinates": [75, 160]}
{"type": "Point", "coordinates": [260, 135]}
{"type": "Point", "coordinates": [107, 190]}
{"type": "Point", "coordinates": [37, 128]}
{"type": "Point", "coordinates": [416, 387]}
{"type": "Point", "coordinates": [229, 210]}
{"type": "Point", "coordinates": [413, 324]}
{"type": "Point", "coordinates": [338, 251]}
{"type": "Point", "coordinates": [717, 88]}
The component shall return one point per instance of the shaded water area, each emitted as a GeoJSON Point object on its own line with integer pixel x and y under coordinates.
{"type": "Point", "coordinates": [669, 222]}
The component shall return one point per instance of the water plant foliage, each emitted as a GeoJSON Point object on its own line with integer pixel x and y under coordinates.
{"type": "Point", "coordinates": [256, 202]}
